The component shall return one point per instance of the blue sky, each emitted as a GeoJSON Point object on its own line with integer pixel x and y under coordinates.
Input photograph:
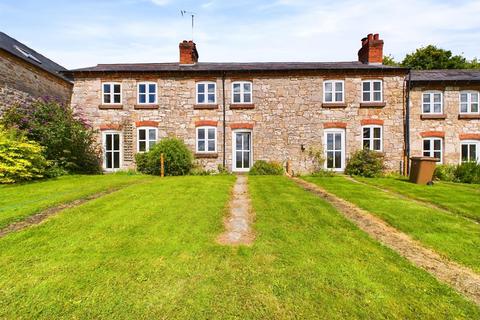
{"type": "Point", "coordinates": [86, 32]}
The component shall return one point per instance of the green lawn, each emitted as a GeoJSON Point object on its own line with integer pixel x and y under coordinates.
{"type": "Point", "coordinates": [149, 251]}
{"type": "Point", "coordinates": [448, 234]}
{"type": "Point", "coordinates": [458, 198]}
{"type": "Point", "coordinates": [21, 200]}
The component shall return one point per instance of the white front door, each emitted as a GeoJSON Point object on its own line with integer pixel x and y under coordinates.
{"type": "Point", "coordinates": [111, 151]}
{"type": "Point", "coordinates": [335, 149]}
{"type": "Point", "coordinates": [242, 150]}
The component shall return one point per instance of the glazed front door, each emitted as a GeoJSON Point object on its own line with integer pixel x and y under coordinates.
{"type": "Point", "coordinates": [111, 145]}
{"type": "Point", "coordinates": [242, 151]}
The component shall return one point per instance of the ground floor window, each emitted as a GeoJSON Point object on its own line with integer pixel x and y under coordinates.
{"type": "Point", "coordinates": [335, 149]}
{"type": "Point", "coordinates": [206, 139]}
{"type": "Point", "coordinates": [432, 147]}
{"type": "Point", "coordinates": [372, 138]}
{"type": "Point", "coordinates": [470, 152]}
{"type": "Point", "coordinates": [111, 150]}
{"type": "Point", "coordinates": [146, 138]}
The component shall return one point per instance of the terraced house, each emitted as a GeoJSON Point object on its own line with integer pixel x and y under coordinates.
{"type": "Point", "coordinates": [232, 114]}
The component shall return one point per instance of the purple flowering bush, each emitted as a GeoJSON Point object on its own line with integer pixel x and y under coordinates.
{"type": "Point", "coordinates": [68, 142]}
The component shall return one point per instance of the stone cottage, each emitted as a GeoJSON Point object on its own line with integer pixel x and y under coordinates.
{"type": "Point", "coordinates": [232, 114]}
{"type": "Point", "coordinates": [26, 75]}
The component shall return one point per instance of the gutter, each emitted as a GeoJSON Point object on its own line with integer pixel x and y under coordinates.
{"type": "Point", "coordinates": [407, 124]}
{"type": "Point", "coordinates": [224, 119]}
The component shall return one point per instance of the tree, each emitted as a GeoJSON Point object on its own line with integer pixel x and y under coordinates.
{"type": "Point", "coordinates": [390, 61]}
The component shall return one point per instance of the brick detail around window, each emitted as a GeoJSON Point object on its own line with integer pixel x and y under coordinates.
{"type": "Point", "coordinates": [209, 123]}
{"type": "Point", "coordinates": [328, 125]}
{"type": "Point", "coordinates": [366, 122]}
{"type": "Point", "coordinates": [146, 123]}
{"type": "Point", "coordinates": [433, 134]}
{"type": "Point", "coordinates": [470, 136]}
{"type": "Point", "coordinates": [128, 143]}
{"type": "Point", "coordinates": [234, 126]}
{"type": "Point", "coordinates": [110, 126]}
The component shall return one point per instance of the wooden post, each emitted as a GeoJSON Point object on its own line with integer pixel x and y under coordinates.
{"type": "Point", "coordinates": [162, 165]}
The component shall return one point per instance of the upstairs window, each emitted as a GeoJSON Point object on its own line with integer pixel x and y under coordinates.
{"type": "Point", "coordinates": [333, 91]}
{"type": "Point", "coordinates": [469, 102]}
{"type": "Point", "coordinates": [206, 139]}
{"type": "Point", "coordinates": [147, 93]}
{"type": "Point", "coordinates": [146, 138]}
{"type": "Point", "coordinates": [112, 93]}
{"type": "Point", "coordinates": [432, 147]}
{"type": "Point", "coordinates": [242, 92]}
{"type": "Point", "coordinates": [432, 102]}
{"type": "Point", "coordinates": [470, 151]}
{"type": "Point", "coordinates": [372, 138]}
{"type": "Point", "coordinates": [372, 91]}
{"type": "Point", "coordinates": [206, 93]}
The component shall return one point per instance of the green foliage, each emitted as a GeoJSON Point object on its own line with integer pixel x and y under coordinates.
{"type": "Point", "coordinates": [317, 158]}
{"type": "Point", "coordinates": [262, 167]}
{"type": "Point", "coordinates": [431, 57]}
{"type": "Point", "coordinates": [389, 60]}
{"type": "Point", "coordinates": [199, 170]}
{"type": "Point", "coordinates": [445, 172]}
{"type": "Point", "coordinates": [69, 143]}
{"type": "Point", "coordinates": [365, 163]}
{"type": "Point", "coordinates": [178, 159]}
{"type": "Point", "coordinates": [468, 172]}
{"type": "Point", "coordinates": [20, 159]}
{"type": "Point", "coordinates": [323, 173]}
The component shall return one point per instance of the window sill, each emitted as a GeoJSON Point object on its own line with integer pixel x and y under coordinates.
{"type": "Point", "coordinates": [239, 106]}
{"type": "Point", "coordinates": [333, 105]}
{"type": "Point", "coordinates": [372, 104]}
{"type": "Point", "coordinates": [469, 116]}
{"type": "Point", "coordinates": [205, 106]}
{"type": "Point", "coordinates": [110, 106]}
{"type": "Point", "coordinates": [206, 155]}
{"type": "Point", "coordinates": [433, 116]}
{"type": "Point", "coordinates": [146, 106]}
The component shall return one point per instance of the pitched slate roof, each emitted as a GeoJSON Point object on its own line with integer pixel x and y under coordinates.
{"type": "Point", "coordinates": [445, 75]}
{"type": "Point", "coordinates": [234, 66]}
{"type": "Point", "coordinates": [32, 57]}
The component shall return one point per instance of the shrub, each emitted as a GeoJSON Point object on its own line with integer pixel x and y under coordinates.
{"type": "Point", "coordinates": [178, 159]}
{"type": "Point", "coordinates": [69, 143]}
{"type": "Point", "coordinates": [468, 172]}
{"type": "Point", "coordinates": [262, 167]}
{"type": "Point", "coordinates": [323, 173]}
{"type": "Point", "coordinates": [445, 172]}
{"type": "Point", "coordinates": [365, 163]}
{"type": "Point", "coordinates": [20, 159]}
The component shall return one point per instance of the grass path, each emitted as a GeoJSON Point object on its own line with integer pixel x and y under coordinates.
{"type": "Point", "coordinates": [23, 200]}
{"type": "Point", "coordinates": [149, 251]}
{"type": "Point", "coordinates": [452, 236]}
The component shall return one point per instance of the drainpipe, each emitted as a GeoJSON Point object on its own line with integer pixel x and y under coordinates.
{"type": "Point", "coordinates": [407, 123]}
{"type": "Point", "coordinates": [224, 119]}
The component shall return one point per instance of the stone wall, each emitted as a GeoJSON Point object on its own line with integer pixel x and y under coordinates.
{"type": "Point", "coordinates": [287, 113]}
{"type": "Point", "coordinates": [21, 82]}
{"type": "Point", "coordinates": [450, 125]}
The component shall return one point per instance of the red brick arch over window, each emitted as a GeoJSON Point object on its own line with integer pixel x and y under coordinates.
{"type": "Point", "coordinates": [110, 126]}
{"type": "Point", "coordinates": [366, 122]}
{"type": "Point", "coordinates": [328, 125]}
{"type": "Point", "coordinates": [234, 126]}
{"type": "Point", "coordinates": [470, 136]}
{"type": "Point", "coordinates": [146, 124]}
{"type": "Point", "coordinates": [206, 123]}
{"type": "Point", "coordinates": [432, 134]}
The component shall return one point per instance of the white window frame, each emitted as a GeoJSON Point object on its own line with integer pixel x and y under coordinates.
{"type": "Point", "coordinates": [112, 94]}
{"type": "Point", "coordinates": [147, 140]}
{"type": "Point", "coordinates": [432, 150]}
{"type": "Point", "coordinates": [206, 83]}
{"type": "Point", "coordinates": [469, 102]}
{"type": "Point", "coordinates": [470, 142]}
{"type": "Point", "coordinates": [371, 92]}
{"type": "Point", "coordinates": [104, 151]}
{"type": "Point", "coordinates": [432, 103]}
{"type": "Point", "coordinates": [333, 82]}
{"type": "Point", "coordinates": [234, 150]}
{"type": "Point", "coordinates": [206, 128]}
{"type": "Point", "coordinates": [243, 92]}
{"type": "Point", "coordinates": [372, 139]}
{"type": "Point", "coordinates": [147, 92]}
{"type": "Point", "coordinates": [342, 145]}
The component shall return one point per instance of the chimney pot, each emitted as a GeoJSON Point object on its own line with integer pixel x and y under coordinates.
{"type": "Point", "coordinates": [375, 36]}
{"type": "Point", "coordinates": [372, 50]}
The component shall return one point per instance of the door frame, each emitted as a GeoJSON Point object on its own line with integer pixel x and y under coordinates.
{"type": "Point", "coordinates": [234, 132]}
{"type": "Point", "coordinates": [343, 146]}
{"type": "Point", "coordinates": [104, 157]}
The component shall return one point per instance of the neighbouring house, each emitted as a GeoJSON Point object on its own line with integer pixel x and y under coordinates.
{"type": "Point", "coordinates": [26, 75]}
{"type": "Point", "coordinates": [231, 114]}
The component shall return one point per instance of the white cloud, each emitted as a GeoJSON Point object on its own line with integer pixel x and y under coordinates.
{"type": "Point", "coordinates": [160, 2]}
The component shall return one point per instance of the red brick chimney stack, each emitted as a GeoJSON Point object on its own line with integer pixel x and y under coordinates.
{"type": "Point", "coordinates": [372, 50]}
{"type": "Point", "coordinates": [188, 52]}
